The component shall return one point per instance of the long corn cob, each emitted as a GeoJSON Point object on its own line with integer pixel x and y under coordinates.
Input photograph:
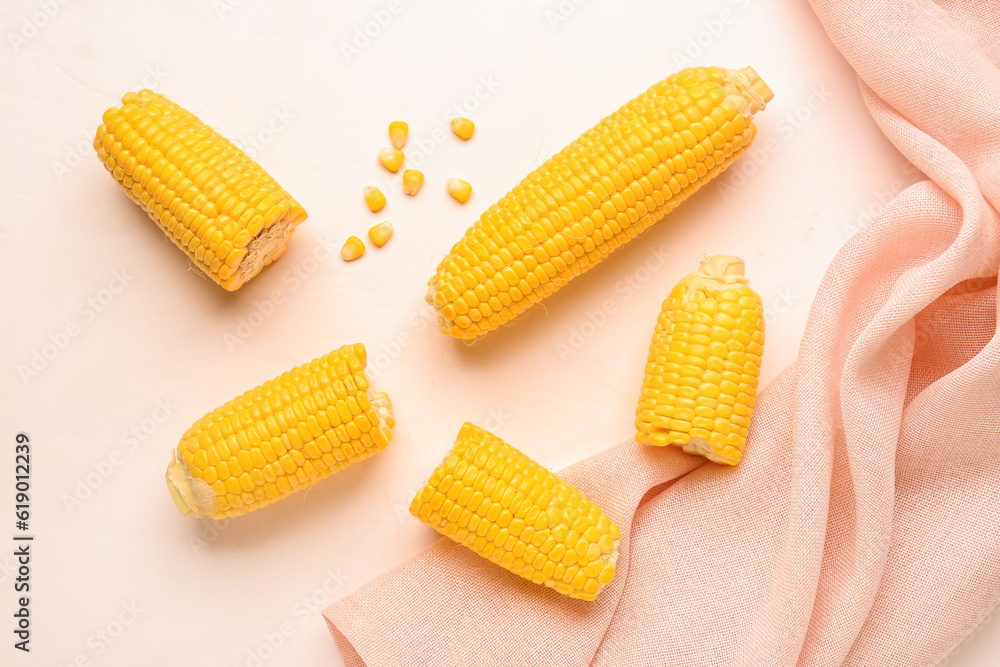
{"type": "Point", "coordinates": [280, 437]}
{"type": "Point", "coordinates": [495, 500]}
{"type": "Point", "coordinates": [701, 374]}
{"type": "Point", "coordinates": [594, 195]}
{"type": "Point", "coordinates": [214, 202]}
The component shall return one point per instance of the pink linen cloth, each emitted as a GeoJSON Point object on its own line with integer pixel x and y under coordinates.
{"type": "Point", "coordinates": [863, 525]}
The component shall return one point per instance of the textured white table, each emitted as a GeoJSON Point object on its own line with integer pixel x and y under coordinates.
{"type": "Point", "coordinates": [118, 576]}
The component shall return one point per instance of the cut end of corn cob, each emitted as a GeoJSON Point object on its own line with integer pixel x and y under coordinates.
{"type": "Point", "coordinates": [703, 364]}
{"type": "Point", "coordinates": [595, 195]}
{"type": "Point", "coordinates": [459, 189]}
{"type": "Point", "coordinates": [493, 499]}
{"type": "Point", "coordinates": [462, 127]}
{"type": "Point", "coordinates": [398, 131]}
{"type": "Point", "coordinates": [374, 198]}
{"type": "Point", "coordinates": [391, 158]}
{"type": "Point", "coordinates": [413, 180]}
{"type": "Point", "coordinates": [280, 437]}
{"type": "Point", "coordinates": [214, 202]}
{"type": "Point", "coordinates": [353, 248]}
{"type": "Point", "coordinates": [380, 233]}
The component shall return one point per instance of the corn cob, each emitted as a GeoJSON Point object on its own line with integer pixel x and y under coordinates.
{"type": "Point", "coordinates": [496, 501]}
{"type": "Point", "coordinates": [594, 195]}
{"type": "Point", "coordinates": [280, 437]}
{"type": "Point", "coordinates": [214, 202]}
{"type": "Point", "coordinates": [703, 364]}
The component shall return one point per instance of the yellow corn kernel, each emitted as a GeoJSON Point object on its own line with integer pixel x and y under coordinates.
{"type": "Point", "coordinates": [459, 189]}
{"type": "Point", "coordinates": [374, 198]}
{"type": "Point", "coordinates": [526, 519]}
{"type": "Point", "coordinates": [595, 195]}
{"type": "Point", "coordinates": [463, 127]}
{"type": "Point", "coordinates": [391, 158]}
{"type": "Point", "coordinates": [398, 131]}
{"type": "Point", "coordinates": [280, 437]}
{"type": "Point", "coordinates": [353, 248]}
{"type": "Point", "coordinates": [214, 202]}
{"type": "Point", "coordinates": [413, 180]}
{"type": "Point", "coordinates": [380, 233]}
{"type": "Point", "coordinates": [707, 343]}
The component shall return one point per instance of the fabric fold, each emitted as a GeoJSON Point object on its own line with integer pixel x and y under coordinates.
{"type": "Point", "coordinates": [863, 525]}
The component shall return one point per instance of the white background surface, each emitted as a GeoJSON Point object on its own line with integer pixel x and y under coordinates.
{"type": "Point", "coordinates": [211, 594]}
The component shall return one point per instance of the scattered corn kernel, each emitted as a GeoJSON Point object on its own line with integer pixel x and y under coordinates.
{"type": "Point", "coordinates": [398, 131]}
{"type": "Point", "coordinates": [595, 195]}
{"type": "Point", "coordinates": [391, 158]}
{"type": "Point", "coordinates": [459, 189]}
{"type": "Point", "coordinates": [413, 180]}
{"type": "Point", "coordinates": [708, 340]}
{"type": "Point", "coordinates": [380, 233]}
{"type": "Point", "coordinates": [353, 248]}
{"type": "Point", "coordinates": [527, 520]}
{"type": "Point", "coordinates": [463, 127]}
{"type": "Point", "coordinates": [374, 198]}
{"type": "Point", "coordinates": [281, 437]}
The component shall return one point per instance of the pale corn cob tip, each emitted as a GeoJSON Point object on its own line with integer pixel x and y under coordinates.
{"type": "Point", "coordinates": [596, 194]}
{"type": "Point", "coordinates": [491, 498]}
{"type": "Point", "coordinates": [280, 437]}
{"type": "Point", "coordinates": [212, 200]}
{"type": "Point", "coordinates": [703, 364]}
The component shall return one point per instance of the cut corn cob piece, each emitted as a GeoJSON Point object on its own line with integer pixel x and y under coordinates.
{"type": "Point", "coordinates": [280, 437]}
{"type": "Point", "coordinates": [214, 202]}
{"type": "Point", "coordinates": [463, 127]}
{"type": "Point", "coordinates": [374, 198]}
{"type": "Point", "coordinates": [413, 180]}
{"type": "Point", "coordinates": [353, 248]}
{"type": "Point", "coordinates": [703, 365]}
{"type": "Point", "coordinates": [495, 500]}
{"type": "Point", "coordinates": [391, 158]}
{"type": "Point", "coordinates": [594, 195]}
{"type": "Point", "coordinates": [459, 189]}
{"type": "Point", "coordinates": [380, 233]}
{"type": "Point", "coordinates": [398, 131]}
